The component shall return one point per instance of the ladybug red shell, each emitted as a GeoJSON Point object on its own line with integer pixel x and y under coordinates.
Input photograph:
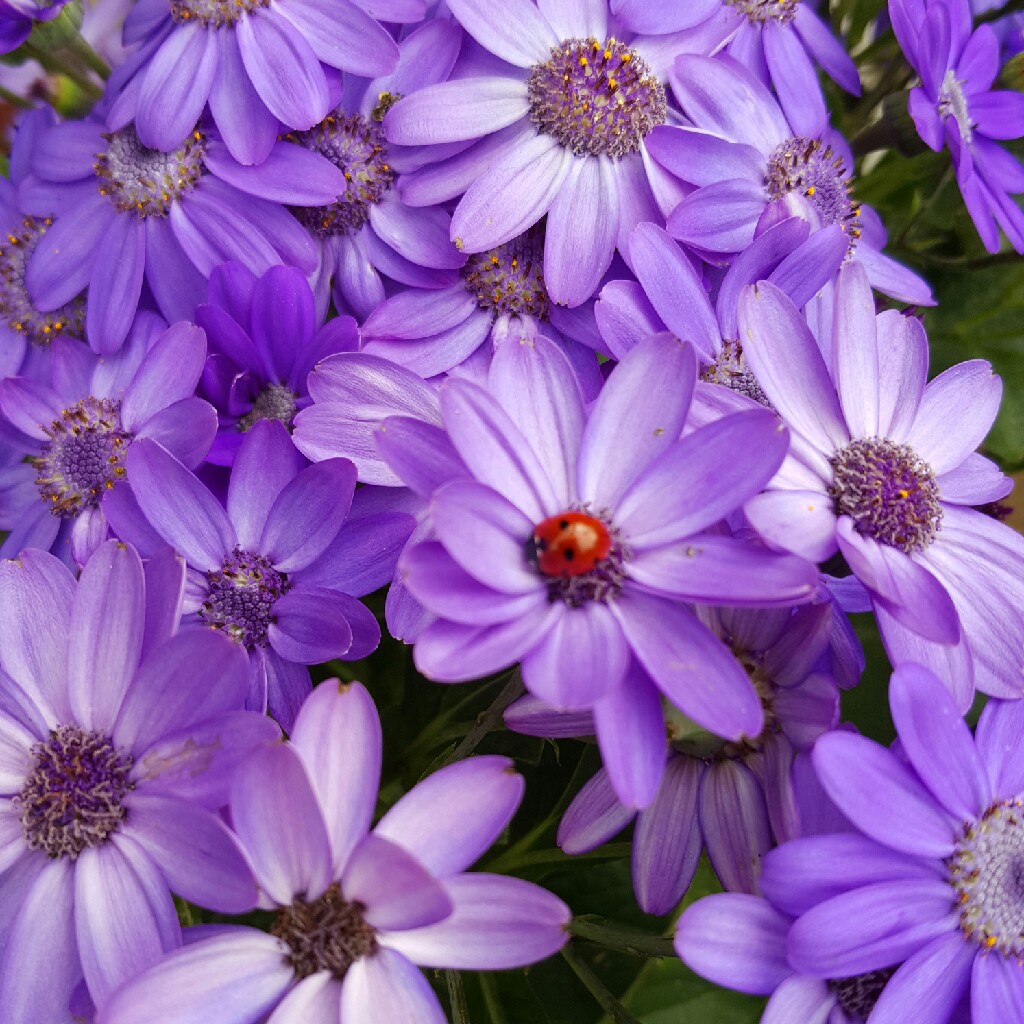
{"type": "Point", "coordinates": [570, 544]}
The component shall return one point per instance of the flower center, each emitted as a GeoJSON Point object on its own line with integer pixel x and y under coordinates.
{"type": "Point", "coordinates": [888, 491]}
{"type": "Point", "coordinates": [241, 597]}
{"type": "Point", "coordinates": [72, 798]}
{"type": "Point", "coordinates": [147, 181]}
{"type": "Point", "coordinates": [953, 103]}
{"type": "Point", "coordinates": [730, 370]}
{"type": "Point", "coordinates": [15, 305]}
{"type": "Point", "coordinates": [857, 996]}
{"type": "Point", "coordinates": [581, 556]}
{"type": "Point", "coordinates": [358, 148]}
{"type": "Point", "coordinates": [987, 873]}
{"type": "Point", "coordinates": [595, 98]}
{"type": "Point", "coordinates": [325, 934]}
{"type": "Point", "coordinates": [213, 13]}
{"type": "Point", "coordinates": [509, 280]}
{"type": "Point", "coordinates": [766, 10]}
{"type": "Point", "coordinates": [274, 402]}
{"type": "Point", "coordinates": [83, 458]}
{"type": "Point", "coordinates": [813, 169]}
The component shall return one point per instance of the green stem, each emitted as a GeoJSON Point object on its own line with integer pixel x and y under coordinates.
{"type": "Point", "coordinates": [927, 205]}
{"type": "Point", "coordinates": [490, 993]}
{"type": "Point", "coordinates": [54, 66]}
{"type": "Point", "coordinates": [487, 720]}
{"type": "Point", "coordinates": [460, 1015]}
{"type": "Point", "coordinates": [506, 865]}
{"type": "Point", "coordinates": [89, 57]}
{"type": "Point", "coordinates": [14, 99]}
{"type": "Point", "coordinates": [596, 988]}
{"type": "Point", "coordinates": [625, 940]}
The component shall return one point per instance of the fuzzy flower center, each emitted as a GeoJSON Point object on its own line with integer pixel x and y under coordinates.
{"type": "Point", "coordinates": [509, 279]}
{"type": "Point", "coordinates": [325, 934]}
{"type": "Point", "coordinates": [213, 13]}
{"type": "Point", "coordinates": [358, 148]}
{"type": "Point", "coordinates": [72, 798]}
{"type": "Point", "coordinates": [595, 98]}
{"type": "Point", "coordinates": [857, 996]}
{"type": "Point", "coordinates": [16, 307]}
{"type": "Point", "coordinates": [83, 456]}
{"type": "Point", "coordinates": [730, 370]}
{"type": "Point", "coordinates": [274, 402]}
{"type": "Point", "coordinates": [241, 596]}
{"type": "Point", "coordinates": [146, 181]}
{"type": "Point", "coordinates": [953, 103]}
{"type": "Point", "coordinates": [987, 874]}
{"type": "Point", "coordinates": [783, 11]}
{"type": "Point", "coordinates": [888, 491]}
{"type": "Point", "coordinates": [813, 169]}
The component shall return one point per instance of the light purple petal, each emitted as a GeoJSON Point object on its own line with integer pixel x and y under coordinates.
{"type": "Point", "coordinates": [719, 217]}
{"type": "Point", "coordinates": [794, 79]}
{"type": "Point", "coordinates": [116, 284]}
{"type": "Point", "coordinates": [799, 521]}
{"type": "Point", "coordinates": [856, 352]}
{"type": "Point", "coordinates": [309, 626]}
{"type": "Point", "coordinates": [517, 33]}
{"type": "Point", "coordinates": [702, 158]}
{"type": "Point", "coordinates": [999, 738]}
{"type": "Point", "coordinates": [997, 990]}
{"type": "Point", "coordinates": [315, 998]}
{"type": "Point", "coordinates": [385, 988]}
{"type": "Point", "coordinates": [291, 174]}
{"type": "Point", "coordinates": [341, 35]}
{"type": "Point", "coordinates": [594, 816]}
{"type": "Point", "coordinates": [902, 372]}
{"type": "Point", "coordinates": [249, 130]}
{"type": "Point", "coordinates": [930, 985]}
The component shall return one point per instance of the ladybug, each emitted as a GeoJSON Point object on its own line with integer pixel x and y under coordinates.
{"type": "Point", "coordinates": [570, 544]}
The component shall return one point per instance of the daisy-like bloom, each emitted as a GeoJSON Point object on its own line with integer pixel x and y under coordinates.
{"type": "Point", "coordinates": [75, 433]}
{"type": "Point", "coordinates": [695, 791]}
{"type": "Point", "coordinates": [930, 879]}
{"type": "Point", "coordinates": [264, 338]}
{"type": "Point", "coordinates": [120, 736]}
{"type": "Point", "coordinates": [257, 63]}
{"type": "Point", "coordinates": [128, 215]}
{"type": "Point", "coordinates": [355, 909]}
{"type": "Point", "coordinates": [743, 156]}
{"type": "Point", "coordinates": [577, 539]}
{"type": "Point", "coordinates": [876, 473]}
{"type": "Point", "coordinates": [955, 106]}
{"type": "Point", "coordinates": [555, 123]}
{"type": "Point", "coordinates": [278, 570]}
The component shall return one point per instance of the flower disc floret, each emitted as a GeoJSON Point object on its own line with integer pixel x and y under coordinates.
{"type": "Point", "coordinates": [987, 873]}
{"type": "Point", "coordinates": [325, 934]}
{"type": "Point", "coordinates": [145, 180]}
{"type": "Point", "coordinates": [83, 456]}
{"type": "Point", "coordinates": [857, 996]}
{"type": "Point", "coordinates": [274, 402]}
{"type": "Point", "coordinates": [509, 279]}
{"type": "Point", "coordinates": [241, 597]}
{"type": "Point", "coordinates": [889, 491]}
{"type": "Point", "coordinates": [213, 13]}
{"type": "Point", "coordinates": [730, 370]}
{"type": "Point", "coordinates": [595, 98]}
{"type": "Point", "coordinates": [783, 11]}
{"type": "Point", "coordinates": [72, 798]}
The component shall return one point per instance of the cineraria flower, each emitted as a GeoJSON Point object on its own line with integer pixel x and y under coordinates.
{"type": "Point", "coordinates": [76, 432]}
{"type": "Point", "coordinates": [118, 734]}
{"type": "Point", "coordinates": [355, 909]}
{"type": "Point", "coordinates": [876, 472]}
{"type": "Point", "coordinates": [263, 341]}
{"type": "Point", "coordinates": [128, 214]}
{"type": "Point", "coordinates": [17, 17]}
{"type": "Point", "coordinates": [258, 571]}
{"type": "Point", "coordinates": [576, 541]}
{"type": "Point", "coordinates": [256, 63]}
{"type": "Point", "coordinates": [744, 156]}
{"type": "Point", "coordinates": [932, 883]}
{"type": "Point", "coordinates": [955, 106]}
{"type": "Point", "coordinates": [556, 125]}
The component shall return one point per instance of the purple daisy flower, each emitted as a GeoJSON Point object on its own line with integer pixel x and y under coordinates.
{"type": "Point", "coordinates": [257, 64]}
{"type": "Point", "coordinates": [955, 106]}
{"type": "Point", "coordinates": [527, 143]}
{"type": "Point", "coordinates": [743, 156]}
{"type": "Point", "coordinates": [279, 570]}
{"type": "Point", "coordinates": [355, 909]}
{"type": "Point", "coordinates": [931, 883]}
{"type": "Point", "coordinates": [76, 432]}
{"type": "Point", "coordinates": [128, 215]}
{"type": "Point", "coordinates": [119, 739]}
{"type": "Point", "coordinates": [876, 473]}
{"type": "Point", "coordinates": [578, 539]}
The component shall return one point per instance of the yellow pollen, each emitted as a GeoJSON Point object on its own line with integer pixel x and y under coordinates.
{"type": "Point", "coordinates": [583, 62]}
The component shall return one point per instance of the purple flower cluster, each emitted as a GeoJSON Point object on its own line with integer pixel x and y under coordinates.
{"type": "Point", "coordinates": [562, 321]}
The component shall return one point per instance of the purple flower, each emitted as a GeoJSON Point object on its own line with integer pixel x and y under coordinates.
{"type": "Point", "coordinates": [279, 570]}
{"type": "Point", "coordinates": [119, 738]}
{"type": "Point", "coordinates": [744, 156]}
{"type": "Point", "coordinates": [955, 106]}
{"type": "Point", "coordinates": [876, 472]}
{"type": "Point", "coordinates": [931, 882]}
{"type": "Point", "coordinates": [355, 910]}
{"type": "Point", "coordinates": [17, 18]}
{"type": "Point", "coordinates": [77, 431]}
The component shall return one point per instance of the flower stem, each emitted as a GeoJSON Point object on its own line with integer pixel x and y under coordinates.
{"type": "Point", "coordinates": [487, 720]}
{"type": "Point", "coordinates": [457, 997]}
{"type": "Point", "coordinates": [596, 988]}
{"type": "Point", "coordinates": [89, 57]}
{"type": "Point", "coordinates": [625, 940]}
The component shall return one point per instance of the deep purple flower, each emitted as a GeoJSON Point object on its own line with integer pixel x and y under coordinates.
{"type": "Point", "coordinates": [17, 18]}
{"type": "Point", "coordinates": [876, 471]}
{"type": "Point", "coordinates": [932, 883]}
{"type": "Point", "coordinates": [76, 432]}
{"type": "Point", "coordinates": [355, 909]}
{"type": "Point", "coordinates": [955, 106]}
{"type": "Point", "coordinates": [118, 734]}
